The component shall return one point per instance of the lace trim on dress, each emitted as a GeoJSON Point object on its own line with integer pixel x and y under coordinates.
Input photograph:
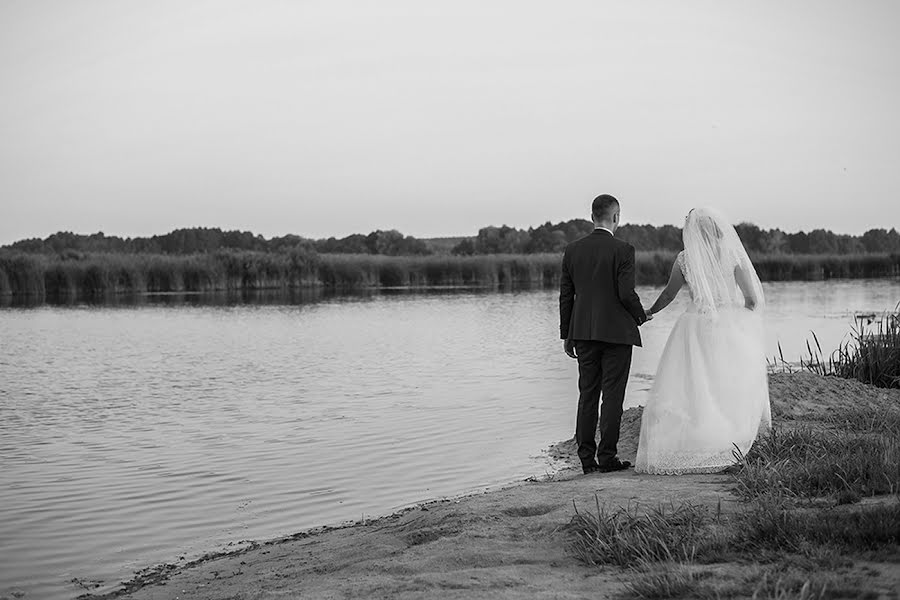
{"type": "Point", "coordinates": [688, 462]}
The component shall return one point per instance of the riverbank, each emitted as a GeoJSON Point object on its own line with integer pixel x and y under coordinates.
{"type": "Point", "coordinates": [58, 278]}
{"type": "Point", "coordinates": [517, 542]}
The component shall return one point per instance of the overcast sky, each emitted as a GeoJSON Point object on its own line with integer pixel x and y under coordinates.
{"type": "Point", "coordinates": [440, 117]}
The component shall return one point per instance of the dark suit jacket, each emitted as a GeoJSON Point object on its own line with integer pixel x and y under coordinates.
{"type": "Point", "coordinates": [597, 300]}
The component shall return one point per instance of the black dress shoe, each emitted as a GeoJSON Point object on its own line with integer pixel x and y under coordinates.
{"type": "Point", "coordinates": [590, 468]}
{"type": "Point", "coordinates": [613, 464]}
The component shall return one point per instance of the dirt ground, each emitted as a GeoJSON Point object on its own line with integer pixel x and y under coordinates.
{"type": "Point", "coordinates": [508, 543]}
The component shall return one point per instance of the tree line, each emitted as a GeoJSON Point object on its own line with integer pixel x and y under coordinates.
{"type": "Point", "coordinates": [551, 237]}
{"type": "Point", "coordinates": [198, 240]}
{"type": "Point", "coordinates": [546, 238]}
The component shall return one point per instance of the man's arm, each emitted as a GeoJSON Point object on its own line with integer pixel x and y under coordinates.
{"type": "Point", "coordinates": [566, 296]}
{"type": "Point", "coordinates": [627, 296]}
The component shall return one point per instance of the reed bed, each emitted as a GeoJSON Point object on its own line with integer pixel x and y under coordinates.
{"type": "Point", "coordinates": [816, 267]}
{"type": "Point", "coordinates": [21, 274]}
{"type": "Point", "coordinates": [98, 275]}
{"type": "Point", "coordinates": [74, 274]}
{"type": "Point", "coordinates": [373, 270]}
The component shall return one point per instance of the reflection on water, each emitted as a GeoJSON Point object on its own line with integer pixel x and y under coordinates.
{"type": "Point", "coordinates": [304, 295]}
{"type": "Point", "coordinates": [170, 426]}
{"type": "Point", "coordinates": [288, 296]}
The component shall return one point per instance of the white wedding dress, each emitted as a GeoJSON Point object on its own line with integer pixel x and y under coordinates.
{"type": "Point", "coordinates": [710, 397]}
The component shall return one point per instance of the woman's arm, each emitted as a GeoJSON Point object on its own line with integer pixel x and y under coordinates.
{"type": "Point", "coordinates": [743, 281]}
{"type": "Point", "coordinates": [676, 280]}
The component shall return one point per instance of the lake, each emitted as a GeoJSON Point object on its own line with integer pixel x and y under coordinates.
{"type": "Point", "coordinates": [159, 430]}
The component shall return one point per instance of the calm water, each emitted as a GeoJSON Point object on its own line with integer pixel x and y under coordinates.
{"type": "Point", "coordinates": [135, 435]}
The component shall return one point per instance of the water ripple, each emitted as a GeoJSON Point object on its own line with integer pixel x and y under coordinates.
{"type": "Point", "coordinates": [132, 436]}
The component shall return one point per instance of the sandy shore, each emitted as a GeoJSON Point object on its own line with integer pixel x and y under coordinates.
{"type": "Point", "coordinates": [509, 543]}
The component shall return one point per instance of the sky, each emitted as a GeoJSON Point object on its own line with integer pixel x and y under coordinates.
{"type": "Point", "coordinates": [326, 118]}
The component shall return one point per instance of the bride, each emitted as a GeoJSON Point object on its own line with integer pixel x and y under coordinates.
{"type": "Point", "coordinates": [710, 396]}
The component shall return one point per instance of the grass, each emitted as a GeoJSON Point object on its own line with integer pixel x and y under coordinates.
{"type": "Point", "coordinates": [773, 523]}
{"type": "Point", "coordinates": [624, 536]}
{"type": "Point", "coordinates": [658, 545]}
{"type": "Point", "coordinates": [672, 553]}
{"type": "Point", "coordinates": [872, 356]}
{"type": "Point", "coordinates": [662, 580]}
{"type": "Point", "coordinates": [685, 580]}
{"type": "Point", "coordinates": [815, 497]}
{"type": "Point", "coordinates": [790, 584]}
{"type": "Point", "coordinates": [812, 463]}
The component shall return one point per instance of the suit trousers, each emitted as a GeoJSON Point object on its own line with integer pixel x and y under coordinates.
{"type": "Point", "coordinates": [602, 368]}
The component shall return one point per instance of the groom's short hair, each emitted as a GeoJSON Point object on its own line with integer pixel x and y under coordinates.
{"type": "Point", "coordinates": [603, 207]}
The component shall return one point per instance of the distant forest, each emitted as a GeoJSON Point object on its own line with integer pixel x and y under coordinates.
{"type": "Point", "coordinates": [547, 238]}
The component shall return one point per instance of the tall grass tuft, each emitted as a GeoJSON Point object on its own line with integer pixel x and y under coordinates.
{"type": "Point", "coordinates": [872, 357]}
{"type": "Point", "coordinates": [626, 535]}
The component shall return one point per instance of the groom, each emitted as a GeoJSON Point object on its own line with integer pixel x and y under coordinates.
{"type": "Point", "coordinates": [599, 314]}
